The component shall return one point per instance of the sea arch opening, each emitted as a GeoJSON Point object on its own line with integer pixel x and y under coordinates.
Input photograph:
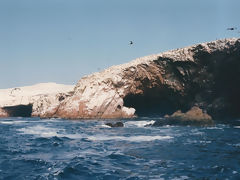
{"type": "Point", "coordinates": [19, 110]}
{"type": "Point", "coordinates": [153, 102]}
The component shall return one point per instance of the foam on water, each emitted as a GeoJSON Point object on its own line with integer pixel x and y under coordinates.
{"type": "Point", "coordinates": [12, 122]}
{"type": "Point", "coordinates": [131, 138]}
{"type": "Point", "coordinates": [138, 123]}
{"type": "Point", "coordinates": [43, 131]}
{"type": "Point", "coordinates": [90, 150]}
{"type": "Point", "coordinates": [40, 130]}
{"type": "Point", "coordinates": [214, 128]}
{"type": "Point", "coordinates": [6, 122]}
{"type": "Point", "coordinates": [104, 126]}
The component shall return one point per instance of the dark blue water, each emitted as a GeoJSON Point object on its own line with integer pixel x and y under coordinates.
{"type": "Point", "coordinates": [31, 148]}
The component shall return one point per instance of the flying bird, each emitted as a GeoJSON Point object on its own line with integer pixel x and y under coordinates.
{"type": "Point", "coordinates": [130, 42]}
{"type": "Point", "coordinates": [231, 28]}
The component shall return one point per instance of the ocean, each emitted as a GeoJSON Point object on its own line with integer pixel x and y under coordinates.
{"type": "Point", "coordinates": [34, 148]}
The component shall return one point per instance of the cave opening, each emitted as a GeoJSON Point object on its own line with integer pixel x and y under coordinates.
{"type": "Point", "coordinates": [154, 102]}
{"type": "Point", "coordinates": [19, 110]}
{"type": "Point", "coordinates": [228, 85]}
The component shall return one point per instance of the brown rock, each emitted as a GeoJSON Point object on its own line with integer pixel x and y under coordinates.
{"type": "Point", "coordinates": [155, 84]}
{"type": "Point", "coordinates": [117, 124]}
{"type": "Point", "coordinates": [3, 113]}
{"type": "Point", "coordinates": [205, 75]}
{"type": "Point", "coordinates": [194, 115]}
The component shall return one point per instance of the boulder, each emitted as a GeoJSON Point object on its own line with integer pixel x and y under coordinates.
{"type": "Point", "coordinates": [117, 124]}
{"type": "Point", "coordinates": [195, 116]}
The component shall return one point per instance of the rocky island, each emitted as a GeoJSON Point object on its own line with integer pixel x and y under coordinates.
{"type": "Point", "coordinates": [204, 76]}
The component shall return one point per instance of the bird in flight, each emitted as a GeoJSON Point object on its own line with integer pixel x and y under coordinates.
{"type": "Point", "coordinates": [130, 42]}
{"type": "Point", "coordinates": [231, 28]}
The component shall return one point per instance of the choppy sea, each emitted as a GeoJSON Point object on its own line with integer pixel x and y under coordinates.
{"type": "Point", "coordinates": [33, 148]}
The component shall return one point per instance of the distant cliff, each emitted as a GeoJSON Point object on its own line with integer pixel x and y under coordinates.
{"type": "Point", "coordinates": [205, 75]}
{"type": "Point", "coordinates": [25, 101]}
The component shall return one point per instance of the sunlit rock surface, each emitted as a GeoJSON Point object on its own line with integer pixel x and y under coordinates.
{"type": "Point", "coordinates": [204, 75]}
{"type": "Point", "coordinates": [194, 116]}
{"type": "Point", "coordinates": [31, 100]}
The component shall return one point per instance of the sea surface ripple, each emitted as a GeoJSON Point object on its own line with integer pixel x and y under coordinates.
{"type": "Point", "coordinates": [33, 148]}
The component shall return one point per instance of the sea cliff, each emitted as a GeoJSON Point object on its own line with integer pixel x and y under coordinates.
{"type": "Point", "coordinates": [205, 75]}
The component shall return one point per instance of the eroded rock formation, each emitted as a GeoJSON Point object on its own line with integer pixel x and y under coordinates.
{"type": "Point", "coordinates": [204, 75]}
{"type": "Point", "coordinates": [26, 101]}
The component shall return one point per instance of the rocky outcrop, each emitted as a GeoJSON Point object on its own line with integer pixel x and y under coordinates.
{"type": "Point", "coordinates": [204, 75]}
{"type": "Point", "coordinates": [194, 116]}
{"type": "Point", "coordinates": [32, 100]}
{"type": "Point", "coordinates": [117, 124]}
{"type": "Point", "coordinates": [3, 113]}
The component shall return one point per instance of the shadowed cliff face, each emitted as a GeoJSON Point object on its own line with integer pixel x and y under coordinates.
{"type": "Point", "coordinates": [204, 75]}
{"type": "Point", "coordinates": [153, 102]}
{"type": "Point", "coordinates": [19, 111]}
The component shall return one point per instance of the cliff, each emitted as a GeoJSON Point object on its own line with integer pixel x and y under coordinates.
{"type": "Point", "coordinates": [24, 101]}
{"type": "Point", "coordinates": [204, 75]}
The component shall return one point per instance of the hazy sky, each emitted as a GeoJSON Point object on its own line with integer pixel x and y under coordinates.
{"type": "Point", "coordinates": [62, 40]}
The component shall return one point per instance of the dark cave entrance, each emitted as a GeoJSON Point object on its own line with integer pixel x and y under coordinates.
{"type": "Point", "coordinates": [19, 110]}
{"type": "Point", "coordinates": [154, 102]}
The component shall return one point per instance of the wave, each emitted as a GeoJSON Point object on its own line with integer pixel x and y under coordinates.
{"type": "Point", "coordinates": [131, 138]}
{"type": "Point", "coordinates": [138, 123]}
{"type": "Point", "coordinates": [105, 126]}
{"type": "Point", "coordinates": [40, 130]}
{"type": "Point", "coordinates": [46, 132]}
{"type": "Point", "coordinates": [214, 128]}
{"type": "Point", "coordinates": [12, 122]}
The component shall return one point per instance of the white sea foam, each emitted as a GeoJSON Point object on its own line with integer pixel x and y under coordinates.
{"type": "Point", "coordinates": [6, 122]}
{"type": "Point", "coordinates": [196, 132]}
{"type": "Point", "coordinates": [40, 131]}
{"type": "Point", "coordinates": [138, 123]}
{"type": "Point", "coordinates": [73, 136]}
{"type": "Point", "coordinates": [43, 131]}
{"type": "Point", "coordinates": [237, 127]}
{"type": "Point", "coordinates": [12, 122]}
{"type": "Point", "coordinates": [105, 126]}
{"type": "Point", "coordinates": [131, 138]}
{"type": "Point", "coordinates": [214, 128]}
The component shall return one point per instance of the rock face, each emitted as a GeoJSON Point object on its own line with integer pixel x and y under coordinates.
{"type": "Point", "coordinates": [30, 100]}
{"type": "Point", "coordinates": [204, 75]}
{"type": "Point", "coordinates": [3, 113]}
{"type": "Point", "coordinates": [195, 116]}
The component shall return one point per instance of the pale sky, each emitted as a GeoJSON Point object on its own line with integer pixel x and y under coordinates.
{"type": "Point", "coordinates": [62, 40]}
